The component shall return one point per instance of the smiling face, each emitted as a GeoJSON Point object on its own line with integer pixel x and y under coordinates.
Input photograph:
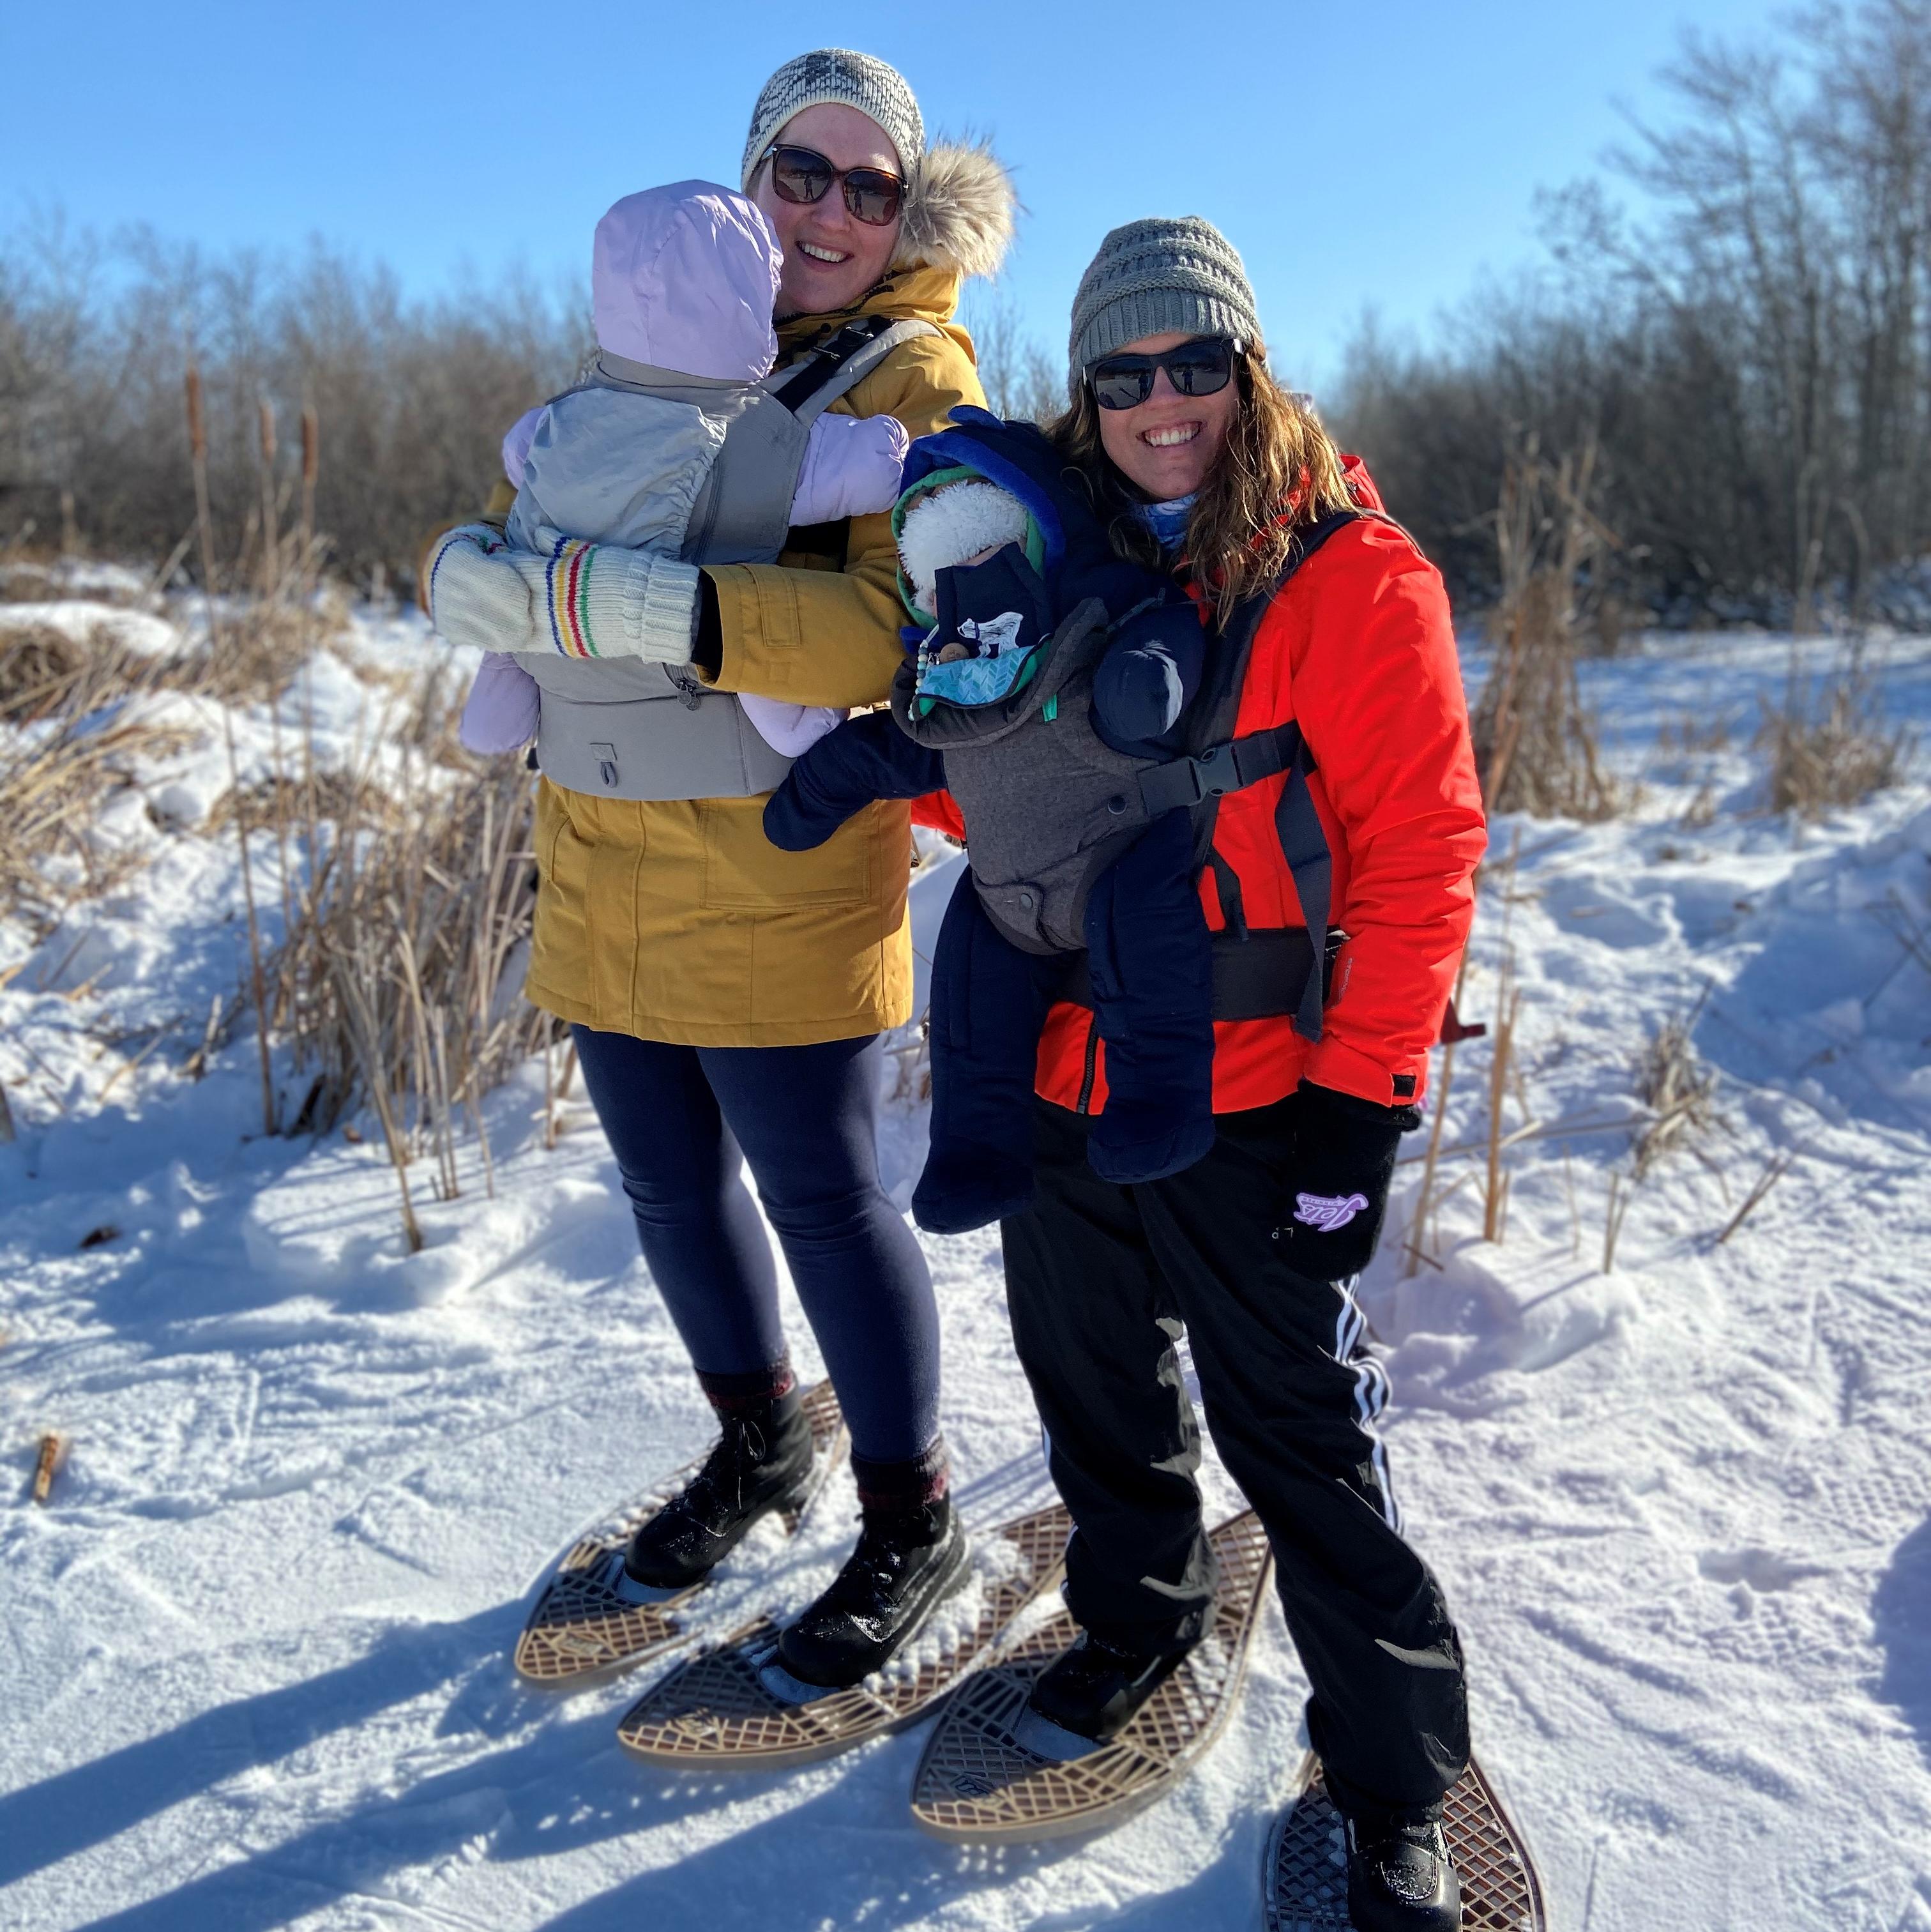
{"type": "Point", "coordinates": [1168, 445]}
{"type": "Point", "coordinates": [830, 258]}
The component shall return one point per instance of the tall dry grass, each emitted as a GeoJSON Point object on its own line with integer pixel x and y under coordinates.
{"type": "Point", "coordinates": [404, 878]}
{"type": "Point", "coordinates": [1830, 747]}
{"type": "Point", "coordinates": [1535, 740]}
{"type": "Point", "coordinates": [78, 700]}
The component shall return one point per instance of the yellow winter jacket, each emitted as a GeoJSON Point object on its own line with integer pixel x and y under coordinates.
{"type": "Point", "coordinates": [678, 920]}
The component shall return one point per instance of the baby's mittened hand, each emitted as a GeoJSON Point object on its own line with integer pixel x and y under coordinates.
{"type": "Point", "coordinates": [851, 468]}
{"type": "Point", "coordinates": [604, 601]}
{"type": "Point", "coordinates": [1338, 1181]}
{"type": "Point", "coordinates": [1150, 669]}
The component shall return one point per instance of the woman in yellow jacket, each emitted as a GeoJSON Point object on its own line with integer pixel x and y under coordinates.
{"type": "Point", "coordinates": [726, 998]}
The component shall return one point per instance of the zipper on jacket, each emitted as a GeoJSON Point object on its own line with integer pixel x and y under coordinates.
{"type": "Point", "coordinates": [1091, 1065]}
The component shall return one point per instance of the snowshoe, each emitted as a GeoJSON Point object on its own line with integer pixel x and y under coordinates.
{"type": "Point", "coordinates": [720, 1709]}
{"type": "Point", "coordinates": [1307, 1878]}
{"type": "Point", "coordinates": [996, 1769]}
{"type": "Point", "coordinates": [587, 1623]}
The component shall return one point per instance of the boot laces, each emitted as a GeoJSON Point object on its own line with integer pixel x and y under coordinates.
{"type": "Point", "coordinates": [719, 1485]}
{"type": "Point", "coordinates": [882, 1555]}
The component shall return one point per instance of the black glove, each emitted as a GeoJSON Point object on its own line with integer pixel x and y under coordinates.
{"type": "Point", "coordinates": [992, 608]}
{"type": "Point", "coordinates": [865, 758]}
{"type": "Point", "coordinates": [1338, 1179]}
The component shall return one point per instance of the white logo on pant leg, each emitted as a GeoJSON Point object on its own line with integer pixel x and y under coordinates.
{"type": "Point", "coordinates": [1328, 1213]}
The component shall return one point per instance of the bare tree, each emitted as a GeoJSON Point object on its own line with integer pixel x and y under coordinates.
{"type": "Point", "coordinates": [1020, 379]}
{"type": "Point", "coordinates": [1753, 360]}
{"type": "Point", "coordinates": [412, 397]}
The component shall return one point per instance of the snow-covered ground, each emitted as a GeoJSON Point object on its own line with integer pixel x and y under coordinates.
{"type": "Point", "coordinates": [256, 1647]}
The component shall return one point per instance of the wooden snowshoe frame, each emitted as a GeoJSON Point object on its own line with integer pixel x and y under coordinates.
{"type": "Point", "coordinates": [581, 1629]}
{"type": "Point", "coordinates": [976, 1783]}
{"type": "Point", "coordinates": [714, 1711]}
{"type": "Point", "coordinates": [1305, 1878]}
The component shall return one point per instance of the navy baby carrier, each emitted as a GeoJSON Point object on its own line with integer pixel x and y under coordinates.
{"type": "Point", "coordinates": [1050, 805]}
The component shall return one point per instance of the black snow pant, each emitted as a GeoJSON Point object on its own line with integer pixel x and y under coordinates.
{"type": "Point", "coordinates": [1101, 1280]}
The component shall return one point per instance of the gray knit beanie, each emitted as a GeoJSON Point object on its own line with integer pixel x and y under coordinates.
{"type": "Point", "coordinates": [1172, 272]}
{"type": "Point", "coordinates": [872, 86]}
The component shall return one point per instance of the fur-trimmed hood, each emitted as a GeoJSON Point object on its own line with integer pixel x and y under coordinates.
{"type": "Point", "coordinates": [959, 214]}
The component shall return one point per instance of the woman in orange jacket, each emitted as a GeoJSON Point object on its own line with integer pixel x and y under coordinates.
{"type": "Point", "coordinates": [1365, 838]}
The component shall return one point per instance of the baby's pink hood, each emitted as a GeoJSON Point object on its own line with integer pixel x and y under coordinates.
{"type": "Point", "coordinates": [684, 277]}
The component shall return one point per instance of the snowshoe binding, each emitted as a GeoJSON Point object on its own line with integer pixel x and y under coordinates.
{"type": "Point", "coordinates": [1400, 1878]}
{"type": "Point", "coordinates": [998, 1767]}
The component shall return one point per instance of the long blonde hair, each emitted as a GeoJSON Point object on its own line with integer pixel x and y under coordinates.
{"type": "Point", "coordinates": [1278, 472]}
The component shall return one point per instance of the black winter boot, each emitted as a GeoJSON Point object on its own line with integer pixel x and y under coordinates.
{"type": "Point", "coordinates": [1094, 1689]}
{"type": "Point", "coordinates": [1400, 1878]}
{"type": "Point", "coordinates": [907, 1560]}
{"type": "Point", "coordinates": [762, 1461]}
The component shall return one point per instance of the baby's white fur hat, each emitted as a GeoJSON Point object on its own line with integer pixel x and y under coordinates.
{"type": "Point", "coordinates": [952, 524]}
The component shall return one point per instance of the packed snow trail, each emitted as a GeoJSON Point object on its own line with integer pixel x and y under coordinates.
{"type": "Point", "coordinates": [256, 1646]}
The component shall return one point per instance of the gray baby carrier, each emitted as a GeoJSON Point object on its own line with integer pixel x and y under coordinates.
{"type": "Point", "coordinates": [637, 730]}
{"type": "Point", "coordinates": [1050, 806]}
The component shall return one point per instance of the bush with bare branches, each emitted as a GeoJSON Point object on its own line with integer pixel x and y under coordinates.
{"type": "Point", "coordinates": [412, 397]}
{"type": "Point", "coordinates": [1830, 747]}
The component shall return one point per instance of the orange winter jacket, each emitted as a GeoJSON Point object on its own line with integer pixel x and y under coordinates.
{"type": "Point", "coordinates": [1358, 649]}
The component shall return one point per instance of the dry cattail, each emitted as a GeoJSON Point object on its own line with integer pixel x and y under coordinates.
{"type": "Point", "coordinates": [265, 418]}
{"type": "Point", "coordinates": [44, 1469]}
{"type": "Point", "coordinates": [311, 438]}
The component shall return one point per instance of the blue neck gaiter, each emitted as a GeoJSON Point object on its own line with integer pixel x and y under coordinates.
{"type": "Point", "coordinates": [1167, 521]}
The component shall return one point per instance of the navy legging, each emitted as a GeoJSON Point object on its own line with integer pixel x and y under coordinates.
{"type": "Point", "coordinates": [677, 1118]}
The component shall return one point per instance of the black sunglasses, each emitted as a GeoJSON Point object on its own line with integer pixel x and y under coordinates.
{"type": "Point", "coordinates": [803, 175]}
{"type": "Point", "coordinates": [1200, 367]}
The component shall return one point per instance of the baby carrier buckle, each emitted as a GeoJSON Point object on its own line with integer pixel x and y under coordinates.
{"type": "Point", "coordinates": [1230, 765]}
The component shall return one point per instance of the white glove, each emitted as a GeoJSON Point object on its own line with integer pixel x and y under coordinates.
{"type": "Point", "coordinates": [574, 599]}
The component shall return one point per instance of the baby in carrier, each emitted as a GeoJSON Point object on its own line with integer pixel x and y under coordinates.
{"type": "Point", "coordinates": [1049, 674]}
{"type": "Point", "coordinates": [682, 282]}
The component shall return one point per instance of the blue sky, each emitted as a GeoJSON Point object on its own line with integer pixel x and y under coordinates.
{"type": "Point", "coordinates": [1359, 157]}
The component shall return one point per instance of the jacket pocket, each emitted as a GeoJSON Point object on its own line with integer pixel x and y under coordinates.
{"type": "Point", "coordinates": [745, 872]}
{"type": "Point", "coordinates": [559, 961]}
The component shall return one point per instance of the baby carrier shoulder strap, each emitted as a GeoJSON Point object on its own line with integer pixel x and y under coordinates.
{"type": "Point", "coordinates": [1219, 763]}
{"type": "Point", "coordinates": [809, 386]}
